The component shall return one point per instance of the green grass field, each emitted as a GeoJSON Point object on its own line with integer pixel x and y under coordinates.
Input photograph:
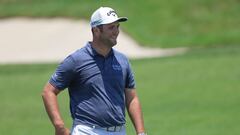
{"type": "Point", "coordinates": [155, 23]}
{"type": "Point", "coordinates": [193, 94]}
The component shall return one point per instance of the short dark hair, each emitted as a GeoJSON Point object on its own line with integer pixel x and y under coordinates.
{"type": "Point", "coordinates": [100, 27]}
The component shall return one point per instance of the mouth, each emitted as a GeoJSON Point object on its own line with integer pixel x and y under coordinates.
{"type": "Point", "coordinates": [115, 37]}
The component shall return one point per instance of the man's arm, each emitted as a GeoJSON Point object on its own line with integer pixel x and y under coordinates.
{"type": "Point", "coordinates": [49, 96]}
{"type": "Point", "coordinates": [134, 110]}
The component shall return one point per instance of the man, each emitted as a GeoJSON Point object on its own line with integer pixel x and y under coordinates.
{"type": "Point", "coordinates": [100, 84]}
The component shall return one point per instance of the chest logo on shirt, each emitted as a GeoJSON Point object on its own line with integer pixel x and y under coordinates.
{"type": "Point", "coordinates": [116, 67]}
{"type": "Point", "coordinates": [55, 76]}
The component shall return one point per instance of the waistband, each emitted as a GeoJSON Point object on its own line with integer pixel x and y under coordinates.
{"type": "Point", "coordinates": [109, 129]}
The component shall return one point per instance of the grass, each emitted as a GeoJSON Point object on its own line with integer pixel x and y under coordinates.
{"type": "Point", "coordinates": [154, 23]}
{"type": "Point", "coordinates": [193, 94]}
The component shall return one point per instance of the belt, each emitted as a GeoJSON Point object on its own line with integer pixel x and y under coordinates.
{"type": "Point", "coordinates": [110, 129]}
{"type": "Point", "coordinates": [113, 128]}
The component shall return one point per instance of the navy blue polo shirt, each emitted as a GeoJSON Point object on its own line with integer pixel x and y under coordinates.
{"type": "Point", "coordinates": [96, 86]}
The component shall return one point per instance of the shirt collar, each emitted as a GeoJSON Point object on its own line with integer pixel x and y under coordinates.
{"type": "Point", "coordinates": [93, 52]}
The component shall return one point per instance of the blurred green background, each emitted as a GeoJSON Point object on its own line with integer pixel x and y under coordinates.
{"type": "Point", "coordinates": [164, 23]}
{"type": "Point", "coordinates": [196, 93]}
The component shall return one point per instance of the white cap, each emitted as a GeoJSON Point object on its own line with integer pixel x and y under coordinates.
{"type": "Point", "coordinates": [105, 15]}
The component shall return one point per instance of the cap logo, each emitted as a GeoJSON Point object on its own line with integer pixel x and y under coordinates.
{"type": "Point", "coordinates": [96, 22]}
{"type": "Point", "coordinates": [112, 12]}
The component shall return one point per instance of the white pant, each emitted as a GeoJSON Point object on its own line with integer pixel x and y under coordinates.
{"type": "Point", "coordinates": [86, 130]}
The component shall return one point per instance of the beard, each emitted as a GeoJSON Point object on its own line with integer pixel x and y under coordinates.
{"type": "Point", "coordinates": [110, 41]}
{"type": "Point", "coordinates": [113, 41]}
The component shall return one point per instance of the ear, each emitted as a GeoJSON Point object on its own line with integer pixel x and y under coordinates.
{"type": "Point", "coordinates": [95, 31]}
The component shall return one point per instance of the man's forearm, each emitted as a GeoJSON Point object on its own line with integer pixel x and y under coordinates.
{"type": "Point", "coordinates": [51, 106]}
{"type": "Point", "coordinates": [135, 113]}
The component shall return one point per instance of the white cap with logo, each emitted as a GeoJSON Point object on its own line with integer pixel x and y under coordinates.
{"type": "Point", "coordinates": [105, 15]}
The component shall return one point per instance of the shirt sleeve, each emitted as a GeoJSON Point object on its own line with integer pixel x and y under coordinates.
{"type": "Point", "coordinates": [64, 74]}
{"type": "Point", "coordinates": [130, 82]}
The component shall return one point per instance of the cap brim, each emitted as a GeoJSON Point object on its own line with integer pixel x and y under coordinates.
{"type": "Point", "coordinates": [122, 19]}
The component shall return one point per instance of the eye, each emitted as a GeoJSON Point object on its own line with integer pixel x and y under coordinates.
{"type": "Point", "coordinates": [111, 27]}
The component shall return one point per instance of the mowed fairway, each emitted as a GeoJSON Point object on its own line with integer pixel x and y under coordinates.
{"type": "Point", "coordinates": [194, 94]}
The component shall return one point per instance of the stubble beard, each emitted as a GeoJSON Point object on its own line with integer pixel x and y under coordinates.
{"type": "Point", "coordinates": [114, 42]}
{"type": "Point", "coordinates": [111, 42]}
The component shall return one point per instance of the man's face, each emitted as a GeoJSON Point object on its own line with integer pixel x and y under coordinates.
{"type": "Point", "coordinates": [109, 33]}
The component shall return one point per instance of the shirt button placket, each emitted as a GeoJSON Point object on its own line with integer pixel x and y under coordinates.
{"type": "Point", "coordinates": [105, 64]}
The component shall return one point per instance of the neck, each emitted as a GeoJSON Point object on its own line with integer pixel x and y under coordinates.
{"type": "Point", "coordinates": [101, 48]}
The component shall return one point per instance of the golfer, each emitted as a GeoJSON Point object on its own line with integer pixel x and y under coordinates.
{"type": "Point", "coordinates": [100, 83]}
